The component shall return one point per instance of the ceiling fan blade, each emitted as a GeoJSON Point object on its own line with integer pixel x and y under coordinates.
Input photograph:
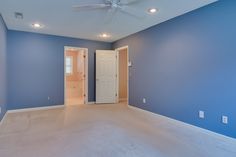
{"type": "Point", "coordinates": [110, 15]}
{"type": "Point", "coordinates": [132, 12]}
{"type": "Point", "coordinates": [108, 1]}
{"type": "Point", "coordinates": [90, 6]}
{"type": "Point", "coordinates": [129, 2]}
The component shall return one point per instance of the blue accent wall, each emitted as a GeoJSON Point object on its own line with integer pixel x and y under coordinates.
{"type": "Point", "coordinates": [36, 68]}
{"type": "Point", "coordinates": [3, 67]}
{"type": "Point", "coordinates": [188, 64]}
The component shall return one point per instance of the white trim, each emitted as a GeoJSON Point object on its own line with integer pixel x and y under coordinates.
{"type": "Point", "coordinates": [123, 47]}
{"type": "Point", "coordinates": [86, 71]}
{"type": "Point", "coordinates": [91, 102]}
{"type": "Point", "coordinates": [190, 126]}
{"type": "Point", "coordinates": [3, 118]}
{"type": "Point", "coordinates": [117, 76]}
{"type": "Point", "coordinates": [36, 109]}
{"type": "Point", "coordinates": [86, 76]}
{"type": "Point", "coordinates": [118, 49]}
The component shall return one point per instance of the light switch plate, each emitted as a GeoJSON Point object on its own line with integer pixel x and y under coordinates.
{"type": "Point", "coordinates": [201, 114]}
{"type": "Point", "coordinates": [129, 64]}
{"type": "Point", "coordinates": [144, 100]}
{"type": "Point", "coordinates": [225, 119]}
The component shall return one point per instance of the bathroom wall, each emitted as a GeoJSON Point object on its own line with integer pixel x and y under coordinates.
{"type": "Point", "coordinates": [75, 81]}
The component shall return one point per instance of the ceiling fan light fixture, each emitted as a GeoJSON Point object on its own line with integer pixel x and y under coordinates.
{"type": "Point", "coordinates": [152, 10]}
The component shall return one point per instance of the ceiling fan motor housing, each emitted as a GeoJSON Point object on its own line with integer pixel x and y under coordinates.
{"type": "Point", "coordinates": [112, 2]}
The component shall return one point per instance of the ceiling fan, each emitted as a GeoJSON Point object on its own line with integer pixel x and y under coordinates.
{"type": "Point", "coordinates": [112, 6]}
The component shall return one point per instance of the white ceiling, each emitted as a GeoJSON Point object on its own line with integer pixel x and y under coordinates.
{"type": "Point", "coordinates": [59, 18]}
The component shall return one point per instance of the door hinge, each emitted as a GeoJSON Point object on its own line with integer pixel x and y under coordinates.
{"type": "Point", "coordinates": [84, 95]}
{"type": "Point", "coordinates": [116, 94]}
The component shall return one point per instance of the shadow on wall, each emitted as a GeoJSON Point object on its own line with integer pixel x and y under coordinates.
{"type": "Point", "coordinates": [3, 68]}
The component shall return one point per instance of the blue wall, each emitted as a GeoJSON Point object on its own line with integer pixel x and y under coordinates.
{"type": "Point", "coordinates": [188, 64]}
{"type": "Point", "coordinates": [3, 66]}
{"type": "Point", "coordinates": [36, 68]}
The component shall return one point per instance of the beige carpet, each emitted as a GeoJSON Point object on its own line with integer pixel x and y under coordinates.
{"type": "Point", "coordinates": [112, 130]}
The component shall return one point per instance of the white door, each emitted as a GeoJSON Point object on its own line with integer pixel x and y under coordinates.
{"type": "Point", "coordinates": [106, 76]}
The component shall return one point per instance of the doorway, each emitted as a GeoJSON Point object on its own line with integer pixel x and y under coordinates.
{"type": "Point", "coordinates": [123, 74]}
{"type": "Point", "coordinates": [76, 72]}
{"type": "Point", "coordinates": [112, 76]}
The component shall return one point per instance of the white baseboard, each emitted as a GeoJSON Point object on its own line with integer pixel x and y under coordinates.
{"type": "Point", "coordinates": [91, 102]}
{"type": "Point", "coordinates": [190, 126]}
{"type": "Point", "coordinates": [36, 108]}
{"type": "Point", "coordinates": [3, 119]}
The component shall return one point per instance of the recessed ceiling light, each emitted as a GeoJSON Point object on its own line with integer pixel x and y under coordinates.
{"type": "Point", "coordinates": [37, 25]}
{"type": "Point", "coordinates": [152, 10]}
{"type": "Point", "coordinates": [104, 35]}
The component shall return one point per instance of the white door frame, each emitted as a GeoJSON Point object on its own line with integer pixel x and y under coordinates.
{"type": "Point", "coordinates": [66, 48]}
{"type": "Point", "coordinates": [118, 51]}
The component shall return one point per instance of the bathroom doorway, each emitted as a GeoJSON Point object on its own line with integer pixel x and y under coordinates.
{"type": "Point", "coordinates": [76, 75]}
